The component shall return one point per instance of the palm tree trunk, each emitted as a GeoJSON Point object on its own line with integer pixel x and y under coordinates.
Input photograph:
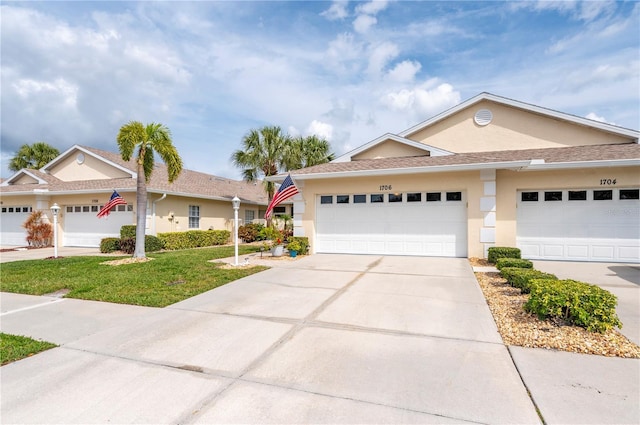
{"type": "Point", "coordinates": [141, 216]}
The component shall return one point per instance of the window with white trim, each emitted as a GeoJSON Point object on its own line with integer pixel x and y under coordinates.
{"type": "Point", "coordinates": [249, 216]}
{"type": "Point", "coordinates": [194, 217]}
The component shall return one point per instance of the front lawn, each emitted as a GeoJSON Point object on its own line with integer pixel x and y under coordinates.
{"type": "Point", "coordinates": [170, 277]}
{"type": "Point", "coordinates": [13, 347]}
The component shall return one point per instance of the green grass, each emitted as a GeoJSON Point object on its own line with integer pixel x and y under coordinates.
{"type": "Point", "coordinates": [170, 277]}
{"type": "Point", "coordinates": [13, 347]}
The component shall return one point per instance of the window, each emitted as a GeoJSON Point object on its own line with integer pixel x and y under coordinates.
{"type": "Point", "coordinates": [130, 208]}
{"type": "Point", "coordinates": [77, 209]}
{"type": "Point", "coordinates": [553, 196]}
{"type": "Point", "coordinates": [69, 209]}
{"type": "Point", "coordinates": [249, 216]}
{"type": "Point", "coordinates": [529, 196]}
{"type": "Point", "coordinates": [342, 199]}
{"type": "Point", "coordinates": [194, 217]}
{"type": "Point", "coordinates": [10, 209]}
{"type": "Point", "coordinates": [86, 208]}
{"type": "Point", "coordinates": [629, 193]}
{"type": "Point", "coordinates": [326, 199]}
{"type": "Point", "coordinates": [4, 209]}
{"type": "Point", "coordinates": [377, 197]}
{"type": "Point", "coordinates": [434, 196]}
{"type": "Point", "coordinates": [359, 199]}
{"type": "Point", "coordinates": [602, 195]}
{"type": "Point", "coordinates": [94, 208]}
{"type": "Point", "coordinates": [280, 210]}
{"type": "Point", "coordinates": [395, 197]}
{"type": "Point", "coordinates": [577, 195]}
{"type": "Point", "coordinates": [454, 196]}
{"type": "Point", "coordinates": [414, 197]}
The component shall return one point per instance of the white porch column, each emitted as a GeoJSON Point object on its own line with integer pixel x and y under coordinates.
{"type": "Point", "coordinates": [488, 209]}
{"type": "Point", "coordinates": [298, 210]}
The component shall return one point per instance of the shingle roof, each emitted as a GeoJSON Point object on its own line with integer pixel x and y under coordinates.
{"type": "Point", "coordinates": [189, 183]}
{"type": "Point", "coordinates": [549, 155]}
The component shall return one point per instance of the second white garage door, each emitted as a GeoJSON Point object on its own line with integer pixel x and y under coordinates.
{"type": "Point", "coordinates": [83, 228]}
{"type": "Point", "coordinates": [415, 223]}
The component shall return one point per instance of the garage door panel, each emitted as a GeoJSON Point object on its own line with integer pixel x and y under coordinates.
{"type": "Point", "coordinates": [11, 231]}
{"type": "Point", "coordinates": [397, 228]}
{"type": "Point", "coordinates": [589, 230]}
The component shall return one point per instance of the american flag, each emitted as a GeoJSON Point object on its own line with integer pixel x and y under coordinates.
{"type": "Point", "coordinates": [286, 191]}
{"type": "Point", "coordinates": [116, 199]}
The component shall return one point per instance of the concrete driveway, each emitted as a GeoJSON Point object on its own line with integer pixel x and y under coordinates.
{"type": "Point", "coordinates": [324, 339]}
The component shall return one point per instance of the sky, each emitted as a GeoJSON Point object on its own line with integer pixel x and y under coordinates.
{"type": "Point", "coordinates": [75, 72]}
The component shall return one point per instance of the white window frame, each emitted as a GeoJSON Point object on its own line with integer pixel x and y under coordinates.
{"type": "Point", "coordinates": [194, 216]}
{"type": "Point", "coordinates": [249, 216]}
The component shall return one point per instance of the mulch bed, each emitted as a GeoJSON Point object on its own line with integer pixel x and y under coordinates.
{"type": "Point", "coordinates": [517, 327]}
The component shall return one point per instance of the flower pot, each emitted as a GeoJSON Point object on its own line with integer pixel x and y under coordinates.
{"type": "Point", "coordinates": [277, 250]}
{"type": "Point", "coordinates": [293, 253]}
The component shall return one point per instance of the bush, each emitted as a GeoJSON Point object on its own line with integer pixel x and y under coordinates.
{"type": "Point", "coordinates": [250, 232]}
{"type": "Point", "coordinates": [513, 262]}
{"type": "Point", "coordinates": [108, 245]}
{"type": "Point", "coordinates": [521, 278]}
{"type": "Point", "coordinates": [303, 242]}
{"type": "Point", "coordinates": [194, 239]}
{"type": "Point", "coordinates": [128, 231]}
{"type": "Point", "coordinates": [152, 243]}
{"type": "Point", "coordinates": [39, 232]}
{"type": "Point", "coordinates": [294, 246]}
{"type": "Point", "coordinates": [579, 303]}
{"type": "Point", "coordinates": [270, 233]}
{"type": "Point", "coordinates": [128, 245]}
{"type": "Point", "coordinates": [496, 252]}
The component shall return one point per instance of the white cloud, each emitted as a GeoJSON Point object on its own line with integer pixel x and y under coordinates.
{"type": "Point", "coordinates": [363, 23]}
{"type": "Point", "coordinates": [596, 117]}
{"type": "Point", "coordinates": [338, 10]}
{"type": "Point", "coordinates": [422, 101]}
{"type": "Point", "coordinates": [373, 7]}
{"type": "Point", "coordinates": [320, 129]}
{"type": "Point", "coordinates": [380, 56]}
{"type": "Point", "coordinates": [404, 72]}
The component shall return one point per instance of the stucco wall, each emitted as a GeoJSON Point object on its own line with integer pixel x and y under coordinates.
{"type": "Point", "coordinates": [390, 149]}
{"type": "Point", "coordinates": [510, 129]}
{"type": "Point", "coordinates": [91, 169]}
{"type": "Point", "coordinates": [509, 182]}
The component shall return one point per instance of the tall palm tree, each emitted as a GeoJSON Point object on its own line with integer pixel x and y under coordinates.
{"type": "Point", "coordinates": [263, 154]}
{"type": "Point", "coordinates": [35, 156]}
{"type": "Point", "coordinates": [307, 152]}
{"type": "Point", "coordinates": [145, 141]}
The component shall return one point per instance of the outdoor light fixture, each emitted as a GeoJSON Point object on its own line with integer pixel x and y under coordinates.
{"type": "Point", "coordinates": [55, 209]}
{"type": "Point", "coordinates": [236, 206]}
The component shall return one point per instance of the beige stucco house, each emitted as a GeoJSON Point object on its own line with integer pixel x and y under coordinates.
{"type": "Point", "coordinates": [82, 179]}
{"type": "Point", "coordinates": [489, 172]}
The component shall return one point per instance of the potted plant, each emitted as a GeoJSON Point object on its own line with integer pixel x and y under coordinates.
{"type": "Point", "coordinates": [293, 247]}
{"type": "Point", "coordinates": [277, 249]}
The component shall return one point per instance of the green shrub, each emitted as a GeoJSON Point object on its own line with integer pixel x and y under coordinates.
{"type": "Point", "coordinates": [128, 231]}
{"type": "Point", "coordinates": [294, 246]}
{"type": "Point", "coordinates": [513, 262]}
{"type": "Point", "coordinates": [270, 233]}
{"type": "Point", "coordinates": [109, 245]}
{"type": "Point", "coordinates": [152, 243]}
{"type": "Point", "coordinates": [521, 278]}
{"type": "Point", "coordinates": [496, 252]}
{"type": "Point", "coordinates": [303, 241]}
{"type": "Point", "coordinates": [579, 303]}
{"type": "Point", "coordinates": [194, 239]}
{"type": "Point", "coordinates": [250, 232]}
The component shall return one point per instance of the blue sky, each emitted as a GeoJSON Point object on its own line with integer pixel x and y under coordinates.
{"type": "Point", "coordinates": [75, 72]}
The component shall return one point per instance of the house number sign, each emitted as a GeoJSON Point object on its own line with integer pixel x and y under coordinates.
{"type": "Point", "coordinates": [607, 182]}
{"type": "Point", "coordinates": [385, 187]}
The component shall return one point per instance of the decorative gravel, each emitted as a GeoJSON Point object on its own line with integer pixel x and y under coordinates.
{"type": "Point", "coordinates": [517, 327]}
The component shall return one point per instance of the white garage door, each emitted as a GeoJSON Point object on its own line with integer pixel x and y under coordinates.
{"type": "Point", "coordinates": [581, 225]}
{"type": "Point", "coordinates": [83, 228]}
{"type": "Point", "coordinates": [11, 231]}
{"type": "Point", "coordinates": [416, 223]}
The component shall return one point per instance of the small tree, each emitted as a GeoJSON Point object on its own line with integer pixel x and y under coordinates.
{"type": "Point", "coordinates": [39, 232]}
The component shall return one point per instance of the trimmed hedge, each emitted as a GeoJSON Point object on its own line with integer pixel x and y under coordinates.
{"type": "Point", "coordinates": [151, 244]}
{"type": "Point", "coordinates": [304, 243]}
{"type": "Point", "coordinates": [250, 232]}
{"type": "Point", "coordinates": [128, 231]}
{"type": "Point", "coordinates": [521, 278]}
{"type": "Point", "coordinates": [580, 303]}
{"type": "Point", "coordinates": [496, 252]}
{"type": "Point", "coordinates": [513, 262]}
{"type": "Point", "coordinates": [194, 239]}
{"type": "Point", "coordinates": [108, 245]}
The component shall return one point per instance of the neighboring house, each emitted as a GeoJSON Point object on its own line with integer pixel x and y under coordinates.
{"type": "Point", "coordinates": [82, 179]}
{"type": "Point", "coordinates": [489, 172]}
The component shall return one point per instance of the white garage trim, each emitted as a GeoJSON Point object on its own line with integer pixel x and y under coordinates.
{"type": "Point", "coordinates": [83, 228]}
{"type": "Point", "coordinates": [598, 224]}
{"type": "Point", "coordinates": [412, 223]}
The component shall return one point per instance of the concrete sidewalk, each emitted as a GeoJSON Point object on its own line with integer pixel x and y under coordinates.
{"type": "Point", "coordinates": [322, 339]}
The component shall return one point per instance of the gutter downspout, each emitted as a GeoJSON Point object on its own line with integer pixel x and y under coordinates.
{"type": "Point", "coordinates": [153, 215]}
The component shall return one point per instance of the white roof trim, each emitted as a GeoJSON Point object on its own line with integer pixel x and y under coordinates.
{"type": "Point", "coordinates": [621, 131]}
{"type": "Point", "coordinates": [24, 171]}
{"type": "Point", "coordinates": [388, 136]}
{"type": "Point", "coordinates": [88, 152]}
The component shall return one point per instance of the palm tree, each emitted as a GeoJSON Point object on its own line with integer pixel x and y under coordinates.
{"type": "Point", "coordinates": [307, 152]}
{"type": "Point", "coordinates": [35, 156]}
{"type": "Point", "coordinates": [263, 154]}
{"type": "Point", "coordinates": [145, 141]}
